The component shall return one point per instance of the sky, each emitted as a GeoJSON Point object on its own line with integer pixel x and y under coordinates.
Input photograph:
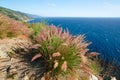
{"type": "Point", "coordinates": [66, 8]}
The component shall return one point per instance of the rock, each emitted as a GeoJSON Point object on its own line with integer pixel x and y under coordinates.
{"type": "Point", "coordinates": [93, 77]}
{"type": "Point", "coordinates": [113, 78]}
{"type": "Point", "coordinates": [4, 64]}
{"type": "Point", "coordinates": [3, 54]}
{"type": "Point", "coordinates": [3, 76]}
{"type": "Point", "coordinates": [10, 45]}
{"type": "Point", "coordinates": [26, 78]}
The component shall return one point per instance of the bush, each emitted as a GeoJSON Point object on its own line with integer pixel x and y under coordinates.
{"type": "Point", "coordinates": [61, 51]}
{"type": "Point", "coordinates": [36, 28]}
{"type": "Point", "coordinates": [11, 28]}
{"type": "Point", "coordinates": [95, 66]}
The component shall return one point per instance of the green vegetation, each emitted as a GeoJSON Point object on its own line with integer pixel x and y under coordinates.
{"type": "Point", "coordinates": [11, 28]}
{"type": "Point", "coordinates": [36, 28]}
{"type": "Point", "coordinates": [61, 56]}
{"type": "Point", "coordinates": [95, 66]}
{"type": "Point", "coordinates": [15, 14]}
{"type": "Point", "coordinates": [45, 52]}
{"type": "Point", "coordinates": [61, 51]}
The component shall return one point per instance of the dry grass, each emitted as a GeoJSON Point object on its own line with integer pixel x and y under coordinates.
{"type": "Point", "coordinates": [12, 28]}
{"type": "Point", "coordinates": [51, 54]}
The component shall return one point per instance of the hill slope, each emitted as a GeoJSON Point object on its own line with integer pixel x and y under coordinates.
{"type": "Point", "coordinates": [15, 14]}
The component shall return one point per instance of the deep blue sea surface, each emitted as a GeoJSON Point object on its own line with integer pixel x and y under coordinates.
{"type": "Point", "coordinates": [104, 33]}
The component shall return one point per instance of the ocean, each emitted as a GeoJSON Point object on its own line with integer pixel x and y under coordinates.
{"type": "Point", "coordinates": [103, 33]}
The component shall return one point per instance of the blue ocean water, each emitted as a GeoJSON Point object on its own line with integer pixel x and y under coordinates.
{"type": "Point", "coordinates": [104, 33]}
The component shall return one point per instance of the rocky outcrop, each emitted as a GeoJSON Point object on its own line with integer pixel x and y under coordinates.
{"type": "Point", "coordinates": [15, 61]}
{"type": "Point", "coordinates": [10, 66]}
{"type": "Point", "coordinates": [93, 77]}
{"type": "Point", "coordinates": [113, 78]}
{"type": "Point", "coordinates": [14, 69]}
{"type": "Point", "coordinates": [8, 46]}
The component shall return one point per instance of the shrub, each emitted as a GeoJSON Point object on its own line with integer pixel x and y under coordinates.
{"type": "Point", "coordinates": [12, 28]}
{"type": "Point", "coordinates": [95, 67]}
{"type": "Point", "coordinates": [61, 51]}
{"type": "Point", "coordinates": [36, 28]}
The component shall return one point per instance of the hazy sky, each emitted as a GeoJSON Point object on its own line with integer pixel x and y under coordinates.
{"type": "Point", "coordinates": [66, 8]}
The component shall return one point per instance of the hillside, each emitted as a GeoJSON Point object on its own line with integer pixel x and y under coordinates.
{"type": "Point", "coordinates": [43, 52]}
{"type": "Point", "coordinates": [15, 14]}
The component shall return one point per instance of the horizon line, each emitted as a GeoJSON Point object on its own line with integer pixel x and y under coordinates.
{"type": "Point", "coordinates": [74, 17]}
